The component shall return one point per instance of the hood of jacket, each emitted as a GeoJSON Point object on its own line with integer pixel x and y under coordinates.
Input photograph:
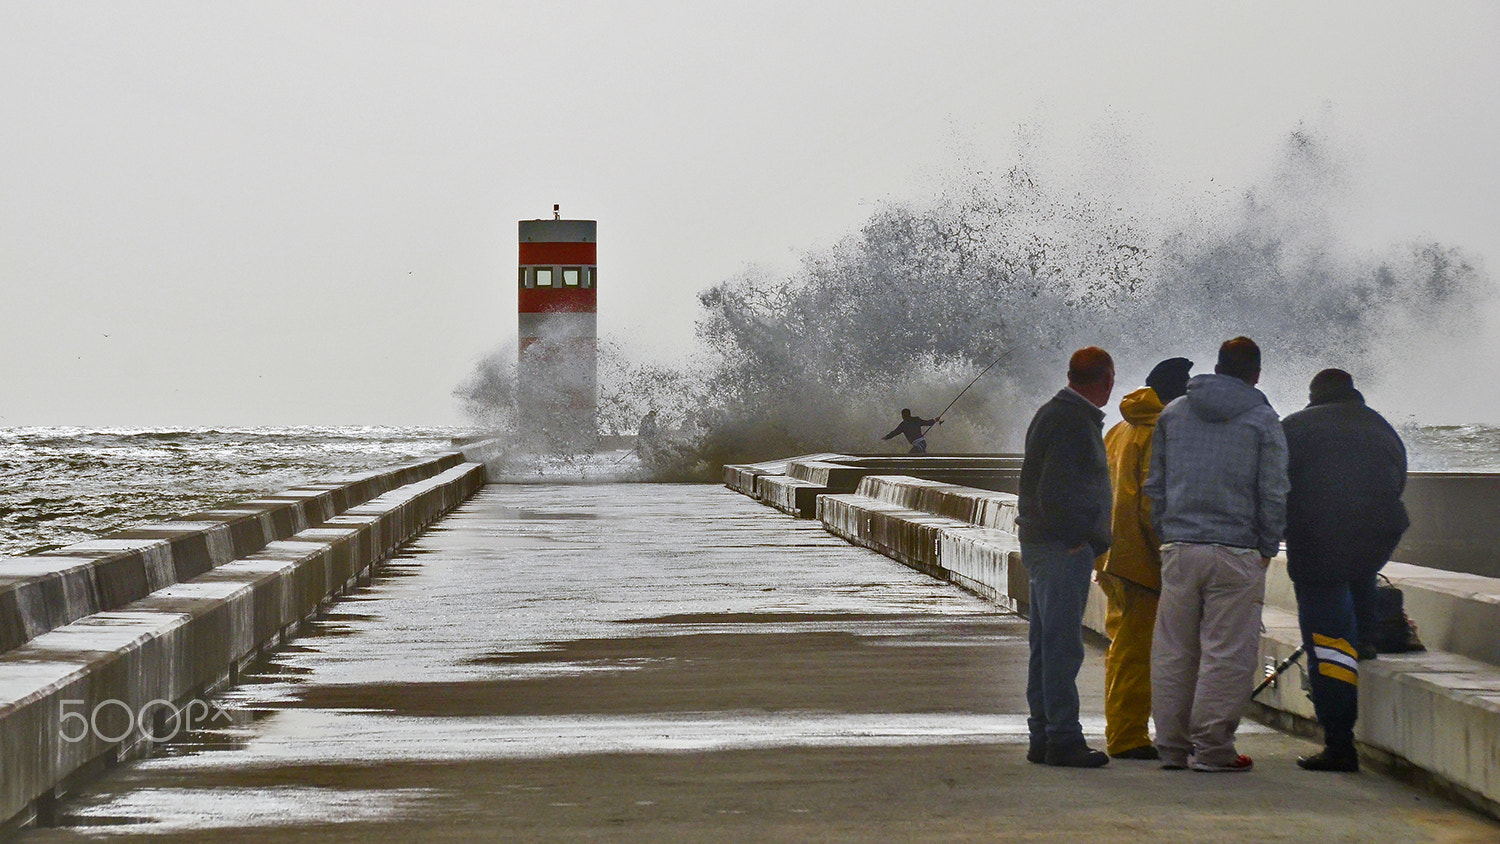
{"type": "Point", "coordinates": [1141, 407]}
{"type": "Point", "coordinates": [1216, 398]}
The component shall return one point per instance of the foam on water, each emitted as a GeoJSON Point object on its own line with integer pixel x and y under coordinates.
{"type": "Point", "coordinates": [66, 485]}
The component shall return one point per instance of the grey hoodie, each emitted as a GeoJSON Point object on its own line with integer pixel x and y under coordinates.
{"type": "Point", "coordinates": [1218, 468]}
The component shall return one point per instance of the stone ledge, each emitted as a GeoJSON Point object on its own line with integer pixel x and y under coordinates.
{"type": "Point", "coordinates": [789, 495]}
{"type": "Point", "coordinates": [1435, 712]}
{"type": "Point", "coordinates": [173, 644]}
{"type": "Point", "coordinates": [984, 508]}
{"type": "Point", "coordinates": [837, 477]}
{"type": "Point", "coordinates": [1454, 612]}
{"type": "Point", "coordinates": [45, 591]}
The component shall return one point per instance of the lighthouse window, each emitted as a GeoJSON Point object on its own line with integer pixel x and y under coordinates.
{"type": "Point", "coordinates": [589, 274]}
{"type": "Point", "coordinates": [523, 276]}
{"type": "Point", "coordinates": [570, 276]}
{"type": "Point", "coordinates": [543, 276]}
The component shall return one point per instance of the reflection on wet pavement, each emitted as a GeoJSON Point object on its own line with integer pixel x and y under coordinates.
{"type": "Point", "coordinates": [502, 633]}
{"type": "Point", "coordinates": [677, 663]}
{"type": "Point", "coordinates": [175, 810]}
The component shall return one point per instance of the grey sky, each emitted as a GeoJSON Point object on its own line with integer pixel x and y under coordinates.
{"type": "Point", "coordinates": [304, 213]}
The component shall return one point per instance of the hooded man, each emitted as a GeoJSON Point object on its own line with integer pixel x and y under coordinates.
{"type": "Point", "coordinates": [1218, 488]}
{"type": "Point", "coordinates": [1130, 572]}
{"type": "Point", "coordinates": [1347, 467]}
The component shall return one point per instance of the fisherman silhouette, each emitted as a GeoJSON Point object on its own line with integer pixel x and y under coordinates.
{"type": "Point", "coordinates": [912, 427]}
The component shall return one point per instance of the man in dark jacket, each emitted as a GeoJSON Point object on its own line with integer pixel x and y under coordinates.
{"type": "Point", "coordinates": [914, 428]}
{"type": "Point", "coordinates": [1063, 517]}
{"type": "Point", "coordinates": [1347, 467]}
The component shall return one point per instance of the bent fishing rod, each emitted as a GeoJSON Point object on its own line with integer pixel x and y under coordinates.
{"type": "Point", "coordinates": [960, 395]}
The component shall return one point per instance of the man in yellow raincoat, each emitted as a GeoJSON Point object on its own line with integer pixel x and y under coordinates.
{"type": "Point", "coordinates": [1130, 572]}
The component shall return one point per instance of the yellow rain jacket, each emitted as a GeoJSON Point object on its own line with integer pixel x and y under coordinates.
{"type": "Point", "coordinates": [1135, 554]}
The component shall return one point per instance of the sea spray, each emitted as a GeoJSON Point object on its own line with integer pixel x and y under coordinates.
{"type": "Point", "coordinates": [1019, 260]}
{"type": "Point", "coordinates": [1026, 262]}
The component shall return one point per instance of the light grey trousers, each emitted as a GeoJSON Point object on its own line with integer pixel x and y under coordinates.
{"type": "Point", "coordinates": [1204, 649]}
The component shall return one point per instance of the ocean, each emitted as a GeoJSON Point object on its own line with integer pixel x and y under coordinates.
{"type": "Point", "coordinates": [64, 485]}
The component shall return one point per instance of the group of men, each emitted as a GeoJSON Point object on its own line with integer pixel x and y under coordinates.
{"type": "Point", "coordinates": [1177, 512]}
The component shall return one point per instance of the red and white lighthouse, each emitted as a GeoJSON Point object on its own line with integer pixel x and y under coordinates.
{"type": "Point", "coordinates": [558, 326]}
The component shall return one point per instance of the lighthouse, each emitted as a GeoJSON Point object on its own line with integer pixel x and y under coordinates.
{"type": "Point", "coordinates": [557, 318]}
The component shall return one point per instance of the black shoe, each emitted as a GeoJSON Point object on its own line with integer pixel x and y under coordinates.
{"type": "Point", "coordinates": [1343, 761]}
{"type": "Point", "coordinates": [1076, 756]}
{"type": "Point", "coordinates": [1367, 651]}
{"type": "Point", "coordinates": [1037, 753]}
{"type": "Point", "coordinates": [1146, 752]}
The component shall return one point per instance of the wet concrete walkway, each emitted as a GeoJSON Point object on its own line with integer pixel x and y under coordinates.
{"type": "Point", "coordinates": [679, 663]}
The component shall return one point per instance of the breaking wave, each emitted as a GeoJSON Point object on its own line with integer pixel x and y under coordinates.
{"type": "Point", "coordinates": [1023, 265]}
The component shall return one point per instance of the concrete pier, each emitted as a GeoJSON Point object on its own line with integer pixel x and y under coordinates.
{"type": "Point", "coordinates": [680, 663]}
{"type": "Point", "coordinates": [1430, 715]}
{"type": "Point", "coordinates": [157, 618]}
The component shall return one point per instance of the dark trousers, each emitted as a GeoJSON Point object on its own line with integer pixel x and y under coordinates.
{"type": "Point", "coordinates": [1330, 632]}
{"type": "Point", "coordinates": [1059, 581]}
{"type": "Point", "coordinates": [1362, 590]}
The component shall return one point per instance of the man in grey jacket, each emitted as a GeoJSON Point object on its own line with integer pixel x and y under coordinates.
{"type": "Point", "coordinates": [1218, 483]}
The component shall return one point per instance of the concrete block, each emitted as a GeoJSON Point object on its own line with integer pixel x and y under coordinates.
{"type": "Point", "coordinates": [741, 477]}
{"type": "Point", "coordinates": [1454, 524]}
{"type": "Point", "coordinates": [1454, 612]}
{"type": "Point", "coordinates": [130, 564]}
{"type": "Point", "coordinates": [837, 477]}
{"type": "Point", "coordinates": [906, 535]}
{"type": "Point", "coordinates": [986, 562]}
{"type": "Point", "coordinates": [985, 508]}
{"type": "Point", "coordinates": [789, 495]}
{"type": "Point", "coordinates": [103, 670]}
{"type": "Point", "coordinates": [40, 593]}
{"type": "Point", "coordinates": [1438, 711]}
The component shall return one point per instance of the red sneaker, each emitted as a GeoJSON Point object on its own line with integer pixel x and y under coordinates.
{"type": "Point", "coordinates": [1238, 763]}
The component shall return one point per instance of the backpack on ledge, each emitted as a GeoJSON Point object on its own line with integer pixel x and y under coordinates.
{"type": "Point", "coordinates": [1394, 632]}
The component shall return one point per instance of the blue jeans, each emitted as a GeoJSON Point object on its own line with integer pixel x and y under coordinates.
{"type": "Point", "coordinates": [1059, 591]}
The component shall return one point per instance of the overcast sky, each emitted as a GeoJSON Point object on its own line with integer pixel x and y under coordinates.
{"type": "Point", "coordinates": [305, 213]}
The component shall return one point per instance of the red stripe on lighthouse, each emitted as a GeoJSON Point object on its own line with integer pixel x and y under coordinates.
{"type": "Point", "coordinates": [540, 300]}
{"type": "Point", "coordinates": [558, 254]}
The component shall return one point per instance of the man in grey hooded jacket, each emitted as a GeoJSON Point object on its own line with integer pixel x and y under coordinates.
{"type": "Point", "coordinates": [1218, 485]}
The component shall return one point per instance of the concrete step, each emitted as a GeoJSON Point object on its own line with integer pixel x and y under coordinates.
{"type": "Point", "coordinates": [793, 485]}
{"type": "Point", "coordinates": [1454, 612]}
{"type": "Point", "coordinates": [789, 495]}
{"type": "Point", "coordinates": [973, 506]}
{"type": "Point", "coordinates": [901, 533]}
{"type": "Point", "coordinates": [1438, 712]}
{"type": "Point", "coordinates": [742, 477]}
{"type": "Point", "coordinates": [45, 591]}
{"type": "Point", "coordinates": [836, 476]}
{"type": "Point", "coordinates": [93, 690]}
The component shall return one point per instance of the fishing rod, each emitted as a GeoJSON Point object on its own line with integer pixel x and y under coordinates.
{"type": "Point", "coordinates": [628, 453]}
{"type": "Point", "coordinates": [972, 383]}
{"type": "Point", "coordinates": [1275, 673]}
